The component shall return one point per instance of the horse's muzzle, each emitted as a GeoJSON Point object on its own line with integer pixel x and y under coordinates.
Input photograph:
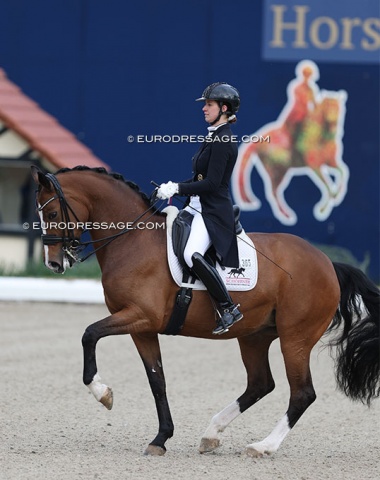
{"type": "Point", "coordinates": [56, 267]}
{"type": "Point", "coordinates": [56, 260]}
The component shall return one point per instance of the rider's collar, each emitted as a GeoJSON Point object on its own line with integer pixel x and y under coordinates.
{"type": "Point", "coordinates": [213, 129]}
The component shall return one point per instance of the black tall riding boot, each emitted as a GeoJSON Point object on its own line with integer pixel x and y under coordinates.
{"type": "Point", "coordinates": [228, 311]}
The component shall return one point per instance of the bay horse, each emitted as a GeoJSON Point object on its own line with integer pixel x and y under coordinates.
{"type": "Point", "coordinates": [296, 303]}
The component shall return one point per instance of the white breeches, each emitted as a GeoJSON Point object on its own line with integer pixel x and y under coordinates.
{"type": "Point", "coordinates": [199, 239]}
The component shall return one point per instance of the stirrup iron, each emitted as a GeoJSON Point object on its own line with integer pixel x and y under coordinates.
{"type": "Point", "coordinates": [229, 317]}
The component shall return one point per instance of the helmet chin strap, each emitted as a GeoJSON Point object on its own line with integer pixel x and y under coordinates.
{"type": "Point", "coordinates": [219, 115]}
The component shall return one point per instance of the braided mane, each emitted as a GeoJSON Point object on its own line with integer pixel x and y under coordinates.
{"type": "Point", "coordinates": [117, 176]}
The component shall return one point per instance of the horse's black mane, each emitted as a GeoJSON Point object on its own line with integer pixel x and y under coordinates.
{"type": "Point", "coordinates": [117, 176]}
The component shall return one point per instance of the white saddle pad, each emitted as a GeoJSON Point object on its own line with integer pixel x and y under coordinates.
{"type": "Point", "coordinates": [236, 279]}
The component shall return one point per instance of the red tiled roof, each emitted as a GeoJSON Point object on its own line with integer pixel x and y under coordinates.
{"type": "Point", "coordinates": [41, 130]}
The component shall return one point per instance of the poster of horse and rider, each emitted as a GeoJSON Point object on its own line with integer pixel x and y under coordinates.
{"type": "Point", "coordinates": [306, 139]}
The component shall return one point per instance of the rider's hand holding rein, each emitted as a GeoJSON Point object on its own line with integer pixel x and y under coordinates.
{"type": "Point", "coordinates": [167, 190]}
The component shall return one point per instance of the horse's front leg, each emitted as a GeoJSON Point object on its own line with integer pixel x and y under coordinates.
{"type": "Point", "coordinates": [120, 323]}
{"type": "Point", "coordinates": [127, 322]}
{"type": "Point", "coordinates": [149, 350]}
{"type": "Point", "coordinates": [91, 377]}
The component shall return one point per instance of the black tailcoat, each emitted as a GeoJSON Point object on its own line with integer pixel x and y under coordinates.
{"type": "Point", "coordinates": [212, 169]}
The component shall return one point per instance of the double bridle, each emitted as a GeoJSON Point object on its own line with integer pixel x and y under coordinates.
{"type": "Point", "coordinates": [72, 246]}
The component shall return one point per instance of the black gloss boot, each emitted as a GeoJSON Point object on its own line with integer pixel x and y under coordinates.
{"type": "Point", "coordinates": [227, 310]}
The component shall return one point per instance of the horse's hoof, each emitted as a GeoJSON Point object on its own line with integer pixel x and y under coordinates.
{"type": "Point", "coordinates": [107, 398]}
{"type": "Point", "coordinates": [209, 445]}
{"type": "Point", "coordinates": [155, 451]}
{"type": "Point", "coordinates": [252, 452]}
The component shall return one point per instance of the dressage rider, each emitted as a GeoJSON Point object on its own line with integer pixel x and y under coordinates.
{"type": "Point", "coordinates": [210, 202]}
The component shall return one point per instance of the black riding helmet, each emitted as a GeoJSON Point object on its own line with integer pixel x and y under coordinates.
{"type": "Point", "coordinates": [223, 93]}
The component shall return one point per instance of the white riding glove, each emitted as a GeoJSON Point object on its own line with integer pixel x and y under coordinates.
{"type": "Point", "coordinates": [167, 190]}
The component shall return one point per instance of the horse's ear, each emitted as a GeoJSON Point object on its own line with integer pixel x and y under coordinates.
{"type": "Point", "coordinates": [40, 178]}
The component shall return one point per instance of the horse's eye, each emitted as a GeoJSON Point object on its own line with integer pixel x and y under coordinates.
{"type": "Point", "coordinates": [52, 215]}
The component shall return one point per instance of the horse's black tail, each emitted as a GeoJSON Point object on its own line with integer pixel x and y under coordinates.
{"type": "Point", "coordinates": [358, 356]}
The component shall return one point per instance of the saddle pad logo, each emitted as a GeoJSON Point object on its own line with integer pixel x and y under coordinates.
{"type": "Point", "coordinates": [239, 276]}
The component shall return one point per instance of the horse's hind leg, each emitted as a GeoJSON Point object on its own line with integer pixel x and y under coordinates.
{"type": "Point", "coordinates": [296, 356]}
{"type": "Point", "coordinates": [254, 351]}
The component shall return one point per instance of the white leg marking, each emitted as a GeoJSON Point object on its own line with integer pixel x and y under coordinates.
{"type": "Point", "coordinates": [97, 388]}
{"type": "Point", "coordinates": [273, 440]}
{"type": "Point", "coordinates": [221, 420]}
